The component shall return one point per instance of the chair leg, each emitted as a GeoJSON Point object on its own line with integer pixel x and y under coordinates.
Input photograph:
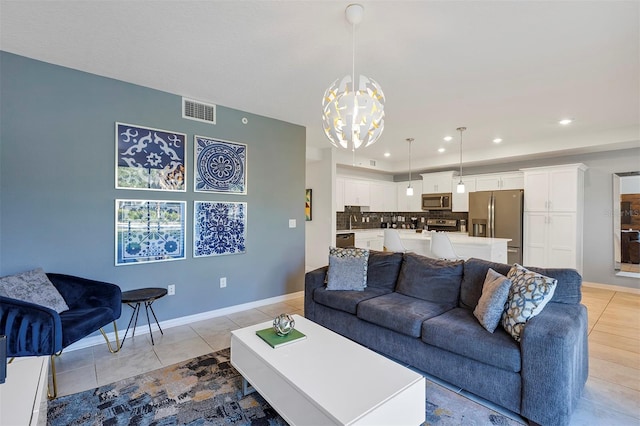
{"type": "Point", "coordinates": [54, 394]}
{"type": "Point", "coordinates": [113, 351]}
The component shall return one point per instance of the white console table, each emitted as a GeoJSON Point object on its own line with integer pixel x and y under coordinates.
{"type": "Point", "coordinates": [23, 395]}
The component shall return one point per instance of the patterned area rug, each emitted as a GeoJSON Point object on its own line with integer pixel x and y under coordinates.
{"type": "Point", "coordinates": [208, 391]}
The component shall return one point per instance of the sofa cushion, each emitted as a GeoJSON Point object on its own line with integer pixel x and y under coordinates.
{"type": "Point", "coordinates": [346, 301]}
{"type": "Point", "coordinates": [429, 279]}
{"type": "Point", "coordinates": [475, 271]}
{"type": "Point", "coordinates": [33, 287]}
{"type": "Point", "coordinates": [400, 313]}
{"type": "Point", "coordinates": [459, 332]}
{"type": "Point", "coordinates": [491, 304]}
{"type": "Point", "coordinates": [347, 269]}
{"type": "Point", "coordinates": [528, 295]}
{"type": "Point", "coordinates": [383, 269]}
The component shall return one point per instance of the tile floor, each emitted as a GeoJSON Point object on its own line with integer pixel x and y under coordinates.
{"type": "Point", "coordinates": [611, 396]}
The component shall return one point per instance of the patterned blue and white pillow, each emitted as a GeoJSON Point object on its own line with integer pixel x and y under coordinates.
{"type": "Point", "coordinates": [33, 287]}
{"type": "Point", "coordinates": [347, 269]}
{"type": "Point", "coordinates": [529, 294]}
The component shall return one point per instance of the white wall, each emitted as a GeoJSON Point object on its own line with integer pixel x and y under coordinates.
{"type": "Point", "coordinates": [321, 229]}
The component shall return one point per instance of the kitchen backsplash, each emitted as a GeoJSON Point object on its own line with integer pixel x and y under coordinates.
{"type": "Point", "coordinates": [375, 219]}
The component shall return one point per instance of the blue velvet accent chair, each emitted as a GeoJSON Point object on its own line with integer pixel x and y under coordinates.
{"type": "Point", "coordinates": [35, 330]}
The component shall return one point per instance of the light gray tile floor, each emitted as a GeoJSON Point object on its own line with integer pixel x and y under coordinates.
{"type": "Point", "coordinates": [89, 368]}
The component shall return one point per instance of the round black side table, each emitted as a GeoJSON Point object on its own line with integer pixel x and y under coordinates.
{"type": "Point", "coordinates": [134, 298]}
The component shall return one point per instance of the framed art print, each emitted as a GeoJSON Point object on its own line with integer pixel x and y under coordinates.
{"type": "Point", "coordinates": [149, 231]}
{"type": "Point", "coordinates": [219, 228]}
{"type": "Point", "coordinates": [220, 166]}
{"type": "Point", "coordinates": [150, 159]}
{"type": "Point", "coordinates": [307, 205]}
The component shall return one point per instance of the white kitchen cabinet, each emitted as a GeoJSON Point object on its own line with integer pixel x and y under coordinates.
{"type": "Point", "coordinates": [500, 181]}
{"type": "Point", "coordinates": [460, 202]}
{"type": "Point", "coordinates": [382, 196]}
{"type": "Point", "coordinates": [553, 217]}
{"type": "Point", "coordinates": [371, 240]}
{"type": "Point", "coordinates": [356, 192]}
{"type": "Point", "coordinates": [339, 194]}
{"type": "Point", "coordinates": [550, 240]}
{"type": "Point", "coordinates": [433, 183]}
{"type": "Point", "coordinates": [408, 203]}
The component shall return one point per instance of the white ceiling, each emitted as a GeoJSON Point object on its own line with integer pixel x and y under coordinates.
{"type": "Point", "coordinates": [508, 69]}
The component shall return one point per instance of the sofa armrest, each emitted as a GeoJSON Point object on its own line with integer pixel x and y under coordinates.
{"type": "Point", "coordinates": [555, 363]}
{"type": "Point", "coordinates": [312, 280]}
{"type": "Point", "coordinates": [31, 330]}
{"type": "Point", "coordinates": [81, 293]}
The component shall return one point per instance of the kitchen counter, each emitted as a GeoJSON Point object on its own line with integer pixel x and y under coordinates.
{"type": "Point", "coordinates": [492, 249]}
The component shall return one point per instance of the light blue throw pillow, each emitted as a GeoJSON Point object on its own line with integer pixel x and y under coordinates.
{"type": "Point", "coordinates": [495, 291]}
{"type": "Point", "coordinates": [347, 269]}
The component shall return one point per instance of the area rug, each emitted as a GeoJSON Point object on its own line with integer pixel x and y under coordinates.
{"type": "Point", "coordinates": [207, 390]}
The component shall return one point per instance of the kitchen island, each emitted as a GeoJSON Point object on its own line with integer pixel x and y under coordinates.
{"type": "Point", "coordinates": [492, 249]}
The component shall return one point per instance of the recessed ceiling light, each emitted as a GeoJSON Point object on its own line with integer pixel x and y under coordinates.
{"type": "Point", "coordinates": [497, 140]}
{"type": "Point", "coordinates": [441, 150]}
{"type": "Point", "coordinates": [565, 121]}
{"type": "Point", "coordinates": [448, 138]}
{"type": "Point", "coordinates": [387, 154]}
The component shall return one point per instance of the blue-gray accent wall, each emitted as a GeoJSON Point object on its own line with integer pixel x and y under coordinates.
{"type": "Point", "coordinates": [57, 182]}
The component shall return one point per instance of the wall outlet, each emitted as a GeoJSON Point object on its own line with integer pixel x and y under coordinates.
{"type": "Point", "coordinates": [171, 289]}
{"type": "Point", "coordinates": [223, 282]}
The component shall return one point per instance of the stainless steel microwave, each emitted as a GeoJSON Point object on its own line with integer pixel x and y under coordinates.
{"type": "Point", "coordinates": [436, 201]}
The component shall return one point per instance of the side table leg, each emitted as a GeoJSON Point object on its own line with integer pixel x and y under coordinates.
{"type": "Point", "coordinates": [146, 309]}
{"type": "Point", "coordinates": [136, 309]}
{"type": "Point", "coordinates": [155, 317]}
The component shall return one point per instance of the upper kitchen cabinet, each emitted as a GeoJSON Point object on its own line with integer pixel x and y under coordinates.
{"type": "Point", "coordinates": [557, 188]}
{"type": "Point", "coordinates": [437, 182]}
{"type": "Point", "coordinates": [410, 203]}
{"type": "Point", "coordinates": [500, 181]}
{"type": "Point", "coordinates": [382, 196]}
{"type": "Point", "coordinates": [356, 192]}
{"type": "Point", "coordinates": [460, 202]}
{"type": "Point", "coordinates": [339, 194]}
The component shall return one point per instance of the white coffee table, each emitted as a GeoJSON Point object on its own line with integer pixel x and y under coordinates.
{"type": "Point", "coordinates": [328, 379]}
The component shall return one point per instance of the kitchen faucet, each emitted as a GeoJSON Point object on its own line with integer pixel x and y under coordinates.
{"type": "Point", "coordinates": [351, 216]}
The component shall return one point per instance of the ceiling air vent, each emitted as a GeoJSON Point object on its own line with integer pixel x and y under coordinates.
{"type": "Point", "coordinates": [194, 110]}
{"type": "Point", "coordinates": [372, 163]}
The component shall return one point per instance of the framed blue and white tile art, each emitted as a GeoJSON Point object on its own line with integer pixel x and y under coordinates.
{"type": "Point", "coordinates": [150, 231]}
{"type": "Point", "coordinates": [150, 159]}
{"type": "Point", "coordinates": [219, 228]}
{"type": "Point", "coordinates": [220, 166]}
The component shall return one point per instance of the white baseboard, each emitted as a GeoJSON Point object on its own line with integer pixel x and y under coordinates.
{"type": "Point", "coordinates": [175, 322]}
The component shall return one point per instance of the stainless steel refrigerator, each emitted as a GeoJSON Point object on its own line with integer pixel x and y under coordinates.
{"type": "Point", "coordinates": [498, 214]}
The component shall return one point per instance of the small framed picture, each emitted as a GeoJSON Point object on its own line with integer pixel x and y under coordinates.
{"type": "Point", "coordinates": [307, 205]}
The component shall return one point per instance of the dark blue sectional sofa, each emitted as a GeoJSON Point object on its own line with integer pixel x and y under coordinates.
{"type": "Point", "coordinates": [431, 327]}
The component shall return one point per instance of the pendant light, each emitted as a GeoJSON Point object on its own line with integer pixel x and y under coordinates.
{"type": "Point", "coordinates": [409, 188]}
{"type": "Point", "coordinates": [460, 186]}
{"type": "Point", "coordinates": [353, 111]}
